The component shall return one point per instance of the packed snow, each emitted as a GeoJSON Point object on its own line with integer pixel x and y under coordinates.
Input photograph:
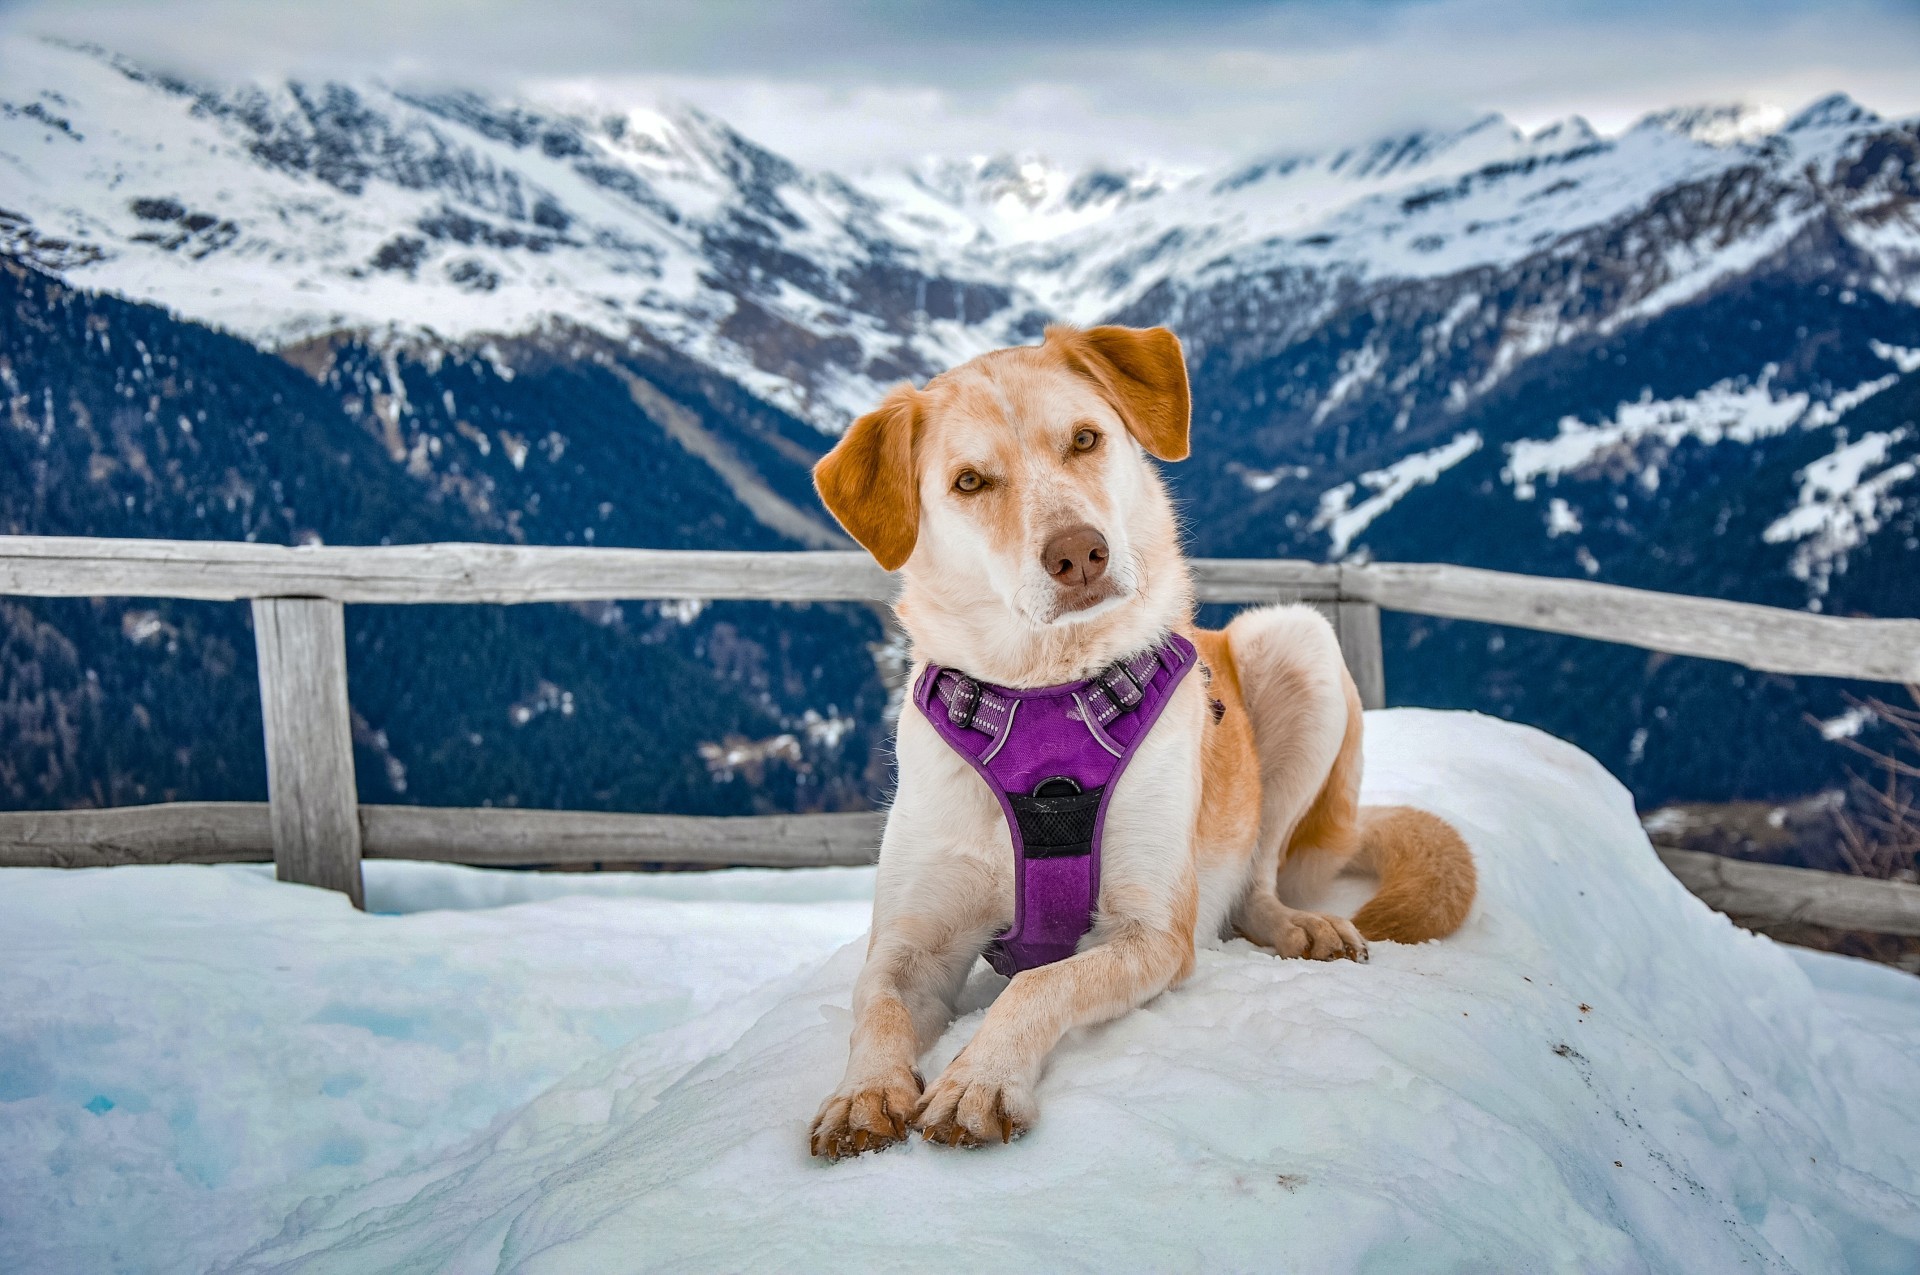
{"type": "Point", "coordinates": [207, 1070]}
{"type": "Point", "coordinates": [188, 1055]}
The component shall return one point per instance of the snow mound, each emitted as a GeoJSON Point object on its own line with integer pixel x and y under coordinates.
{"type": "Point", "coordinates": [1596, 1074]}
{"type": "Point", "coordinates": [187, 1054]}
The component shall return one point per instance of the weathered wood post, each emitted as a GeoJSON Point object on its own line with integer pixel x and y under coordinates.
{"type": "Point", "coordinates": [1358, 624]}
{"type": "Point", "coordinates": [302, 645]}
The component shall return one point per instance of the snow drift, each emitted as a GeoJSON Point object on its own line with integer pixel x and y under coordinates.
{"type": "Point", "coordinates": [1596, 1074]}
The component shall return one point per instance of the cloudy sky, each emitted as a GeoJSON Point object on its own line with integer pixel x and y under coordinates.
{"type": "Point", "coordinates": [853, 82]}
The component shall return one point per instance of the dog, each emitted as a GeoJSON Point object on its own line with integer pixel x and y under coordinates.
{"type": "Point", "coordinates": [1018, 498]}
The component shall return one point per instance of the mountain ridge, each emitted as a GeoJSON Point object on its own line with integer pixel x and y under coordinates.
{"type": "Point", "coordinates": [1683, 356]}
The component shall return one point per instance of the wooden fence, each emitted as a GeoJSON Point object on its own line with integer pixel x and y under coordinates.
{"type": "Point", "coordinates": [315, 831]}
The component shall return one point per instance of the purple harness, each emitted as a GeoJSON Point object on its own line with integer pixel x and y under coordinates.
{"type": "Point", "coordinates": [1053, 756]}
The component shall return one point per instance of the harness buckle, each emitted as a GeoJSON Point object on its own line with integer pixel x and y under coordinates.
{"type": "Point", "coordinates": [965, 701]}
{"type": "Point", "coordinates": [1121, 688]}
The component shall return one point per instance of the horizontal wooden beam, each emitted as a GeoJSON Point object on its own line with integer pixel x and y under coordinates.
{"type": "Point", "coordinates": [174, 832]}
{"type": "Point", "coordinates": [1264, 580]}
{"type": "Point", "coordinates": [225, 571]}
{"type": "Point", "coordinates": [1772, 893]}
{"type": "Point", "coordinates": [236, 832]}
{"type": "Point", "coordinates": [1768, 638]}
{"type": "Point", "coordinates": [499, 837]}
{"type": "Point", "coordinates": [242, 832]}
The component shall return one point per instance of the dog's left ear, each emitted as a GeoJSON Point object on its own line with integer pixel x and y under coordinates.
{"type": "Point", "coordinates": [867, 481]}
{"type": "Point", "coordinates": [1143, 373]}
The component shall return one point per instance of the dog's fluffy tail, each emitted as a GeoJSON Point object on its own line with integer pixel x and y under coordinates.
{"type": "Point", "coordinates": [1427, 879]}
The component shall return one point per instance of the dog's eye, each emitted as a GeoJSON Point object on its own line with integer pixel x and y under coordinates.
{"type": "Point", "coordinates": [969, 481]}
{"type": "Point", "coordinates": [1086, 440]}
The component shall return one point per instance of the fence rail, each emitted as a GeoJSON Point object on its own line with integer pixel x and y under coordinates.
{"type": "Point", "coordinates": [316, 832]}
{"type": "Point", "coordinates": [494, 836]}
{"type": "Point", "coordinates": [1775, 893]}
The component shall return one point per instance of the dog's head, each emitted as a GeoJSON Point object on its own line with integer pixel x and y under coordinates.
{"type": "Point", "coordinates": [1017, 483]}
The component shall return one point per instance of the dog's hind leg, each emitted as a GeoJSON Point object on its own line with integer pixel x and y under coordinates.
{"type": "Point", "coordinates": [1306, 718]}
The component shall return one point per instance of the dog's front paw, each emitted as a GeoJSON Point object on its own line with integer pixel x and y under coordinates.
{"type": "Point", "coordinates": [865, 1117]}
{"type": "Point", "coordinates": [970, 1105]}
{"type": "Point", "coordinates": [1319, 936]}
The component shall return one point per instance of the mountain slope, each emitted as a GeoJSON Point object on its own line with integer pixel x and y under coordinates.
{"type": "Point", "coordinates": [1681, 357]}
{"type": "Point", "coordinates": [287, 212]}
{"type": "Point", "coordinates": [127, 422]}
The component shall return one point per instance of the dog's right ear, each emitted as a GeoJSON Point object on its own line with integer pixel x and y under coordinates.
{"type": "Point", "coordinates": [867, 480]}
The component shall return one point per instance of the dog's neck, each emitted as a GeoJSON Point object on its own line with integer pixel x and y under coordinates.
{"type": "Point", "coordinates": [992, 642]}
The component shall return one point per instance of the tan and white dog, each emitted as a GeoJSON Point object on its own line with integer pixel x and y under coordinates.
{"type": "Point", "coordinates": [1037, 545]}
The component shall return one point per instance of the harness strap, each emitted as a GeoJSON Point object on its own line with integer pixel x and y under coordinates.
{"type": "Point", "coordinates": [1117, 689]}
{"type": "Point", "coordinates": [1048, 756]}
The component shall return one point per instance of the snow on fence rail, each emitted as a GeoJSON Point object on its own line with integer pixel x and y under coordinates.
{"type": "Point", "coordinates": [316, 832]}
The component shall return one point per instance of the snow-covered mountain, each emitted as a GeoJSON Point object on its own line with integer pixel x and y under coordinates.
{"type": "Point", "coordinates": [1686, 356]}
{"type": "Point", "coordinates": [287, 212]}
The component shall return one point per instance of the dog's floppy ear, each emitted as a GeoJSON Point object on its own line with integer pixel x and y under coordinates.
{"type": "Point", "coordinates": [868, 482]}
{"type": "Point", "coordinates": [1143, 374]}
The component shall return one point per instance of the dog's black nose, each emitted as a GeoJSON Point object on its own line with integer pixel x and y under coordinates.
{"type": "Point", "coordinates": [1076, 556]}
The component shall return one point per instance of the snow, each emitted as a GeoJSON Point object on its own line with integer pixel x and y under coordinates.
{"type": "Point", "coordinates": [1596, 1073]}
{"type": "Point", "coordinates": [1344, 524]}
{"type": "Point", "coordinates": [1840, 506]}
{"type": "Point", "coordinates": [1009, 199]}
{"type": "Point", "coordinates": [1639, 433]}
{"type": "Point", "coordinates": [1903, 357]}
{"type": "Point", "coordinates": [630, 202]}
{"type": "Point", "coordinates": [1731, 410]}
{"type": "Point", "coordinates": [188, 1054]}
{"type": "Point", "coordinates": [1718, 125]}
{"type": "Point", "coordinates": [1848, 724]}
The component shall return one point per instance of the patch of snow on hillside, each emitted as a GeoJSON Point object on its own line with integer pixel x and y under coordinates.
{"type": "Point", "coordinates": [1727, 410]}
{"type": "Point", "coordinates": [1343, 523]}
{"type": "Point", "coordinates": [1597, 1073]}
{"type": "Point", "coordinates": [1265, 480]}
{"type": "Point", "coordinates": [1824, 414]}
{"type": "Point", "coordinates": [1902, 357]}
{"type": "Point", "coordinates": [1839, 505]}
{"type": "Point", "coordinates": [1562, 519]}
{"type": "Point", "coordinates": [1847, 725]}
{"type": "Point", "coordinates": [1689, 268]}
{"type": "Point", "coordinates": [1357, 367]}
